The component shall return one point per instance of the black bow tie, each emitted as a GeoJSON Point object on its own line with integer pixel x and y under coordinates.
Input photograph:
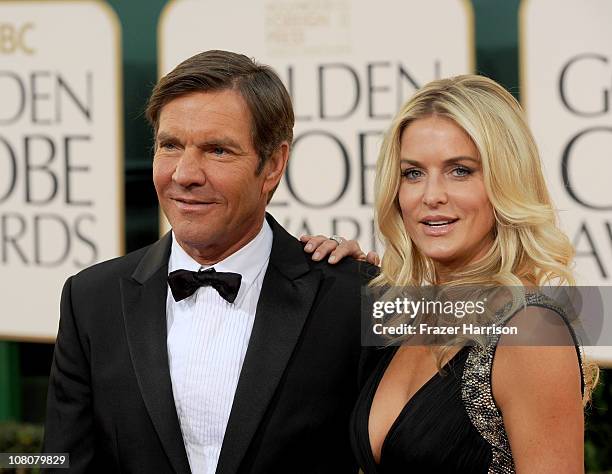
{"type": "Point", "coordinates": [184, 283]}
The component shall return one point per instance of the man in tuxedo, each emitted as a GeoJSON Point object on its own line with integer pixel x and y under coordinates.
{"type": "Point", "coordinates": [222, 347]}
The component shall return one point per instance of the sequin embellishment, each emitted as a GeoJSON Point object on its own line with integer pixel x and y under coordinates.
{"type": "Point", "coordinates": [477, 396]}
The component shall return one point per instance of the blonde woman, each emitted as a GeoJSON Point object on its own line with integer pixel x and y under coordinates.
{"type": "Point", "coordinates": [461, 200]}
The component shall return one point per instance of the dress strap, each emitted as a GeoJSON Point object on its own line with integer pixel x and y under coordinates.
{"type": "Point", "coordinates": [477, 397]}
{"type": "Point", "coordinates": [477, 392]}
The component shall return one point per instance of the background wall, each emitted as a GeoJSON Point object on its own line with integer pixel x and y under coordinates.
{"type": "Point", "coordinates": [24, 366]}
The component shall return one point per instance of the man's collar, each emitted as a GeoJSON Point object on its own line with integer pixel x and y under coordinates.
{"type": "Point", "coordinates": [287, 255]}
{"type": "Point", "coordinates": [247, 261]}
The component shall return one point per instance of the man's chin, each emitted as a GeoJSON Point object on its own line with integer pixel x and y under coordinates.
{"type": "Point", "coordinates": [192, 238]}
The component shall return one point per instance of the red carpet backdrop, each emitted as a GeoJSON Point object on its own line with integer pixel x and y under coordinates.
{"type": "Point", "coordinates": [566, 77]}
{"type": "Point", "coordinates": [61, 159]}
{"type": "Point", "coordinates": [348, 67]}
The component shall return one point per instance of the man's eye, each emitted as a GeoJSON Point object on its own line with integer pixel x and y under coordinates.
{"type": "Point", "coordinates": [167, 146]}
{"type": "Point", "coordinates": [219, 151]}
{"type": "Point", "coordinates": [411, 173]}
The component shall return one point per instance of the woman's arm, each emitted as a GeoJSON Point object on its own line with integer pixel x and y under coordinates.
{"type": "Point", "coordinates": [538, 391]}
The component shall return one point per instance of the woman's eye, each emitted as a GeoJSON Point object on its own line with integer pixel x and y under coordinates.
{"type": "Point", "coordinates": [462, 171]}
{"type": "Point", "coordinates": [411, 173]}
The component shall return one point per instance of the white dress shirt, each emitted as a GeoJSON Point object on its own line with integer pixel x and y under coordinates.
{"type": "Point", "coordinates": [207, 342]}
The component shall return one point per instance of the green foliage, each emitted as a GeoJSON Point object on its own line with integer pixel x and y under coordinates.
{"type": "Point", "coordinates": [598, 427]}
{"type": "Point", "coordinates": [20, 437]}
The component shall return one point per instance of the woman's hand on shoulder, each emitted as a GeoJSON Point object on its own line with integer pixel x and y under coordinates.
{"type": "Point", "coordinates": [538, 391]}
{"type": "Point", "coordinates": [336, 248]}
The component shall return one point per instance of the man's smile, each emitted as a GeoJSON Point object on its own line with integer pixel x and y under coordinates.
{"type": "Point", "coordinates": [190, 204]}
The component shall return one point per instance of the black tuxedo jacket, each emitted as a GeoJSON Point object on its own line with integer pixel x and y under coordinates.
{"type": "Point", "coordinates": [110, 402]}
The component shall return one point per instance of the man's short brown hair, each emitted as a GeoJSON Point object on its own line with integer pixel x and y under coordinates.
{"type": "Point", "coordinates": [261, 88]}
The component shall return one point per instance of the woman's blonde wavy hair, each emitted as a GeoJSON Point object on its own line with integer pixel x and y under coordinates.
{"type": "Point", "coordinates": [528, 245]}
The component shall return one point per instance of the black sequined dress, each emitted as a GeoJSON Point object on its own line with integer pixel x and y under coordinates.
{"type": "Point", "coordinates": [450, 425]}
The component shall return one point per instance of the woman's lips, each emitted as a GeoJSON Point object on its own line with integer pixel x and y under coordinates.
{"type": "Point", "coordinates": [436, 230]}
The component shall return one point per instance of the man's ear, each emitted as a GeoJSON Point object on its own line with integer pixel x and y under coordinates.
{"type": "Point", "coordinates": [275, 168]}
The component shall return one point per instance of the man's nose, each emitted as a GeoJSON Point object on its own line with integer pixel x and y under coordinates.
{"type": "Point", "coordinates": [189, 169]}
{"type": "Point", "coordinates": [435, 192]}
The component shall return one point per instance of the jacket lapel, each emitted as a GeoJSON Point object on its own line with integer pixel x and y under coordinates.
{"type": "Point", "coordinates": [144, 311]}
{"type": "Point", "coordinates": [288, 291]}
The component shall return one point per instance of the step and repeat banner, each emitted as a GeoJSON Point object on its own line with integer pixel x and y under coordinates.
{"type": "Point", "coordinates": [566, 83]}
{"type": "Point", "coordinates": [348, 67]}
{"type": "Point", "coordinates": [61, 157]}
